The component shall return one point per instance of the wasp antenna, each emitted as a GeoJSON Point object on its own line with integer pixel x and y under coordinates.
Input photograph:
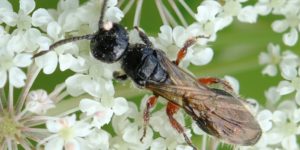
{"type": "Point", "coordinates": [62, 42]}
{"type": "Point", "coordinates": [202, 36]}
{"type": "Point", "coordinates": [104, 3]}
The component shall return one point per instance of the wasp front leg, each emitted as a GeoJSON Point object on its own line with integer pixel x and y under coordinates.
{"type": "Point", "coordinates": [171, 110]}
{"type": "Point", "coordinates": [150, 104]}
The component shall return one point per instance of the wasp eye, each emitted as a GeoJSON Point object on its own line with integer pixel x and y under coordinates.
{"type": "Point", "coordinates": [109, 43]}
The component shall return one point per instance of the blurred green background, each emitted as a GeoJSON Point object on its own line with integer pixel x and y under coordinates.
{"type": "Point", "coordinates": [236, 52]}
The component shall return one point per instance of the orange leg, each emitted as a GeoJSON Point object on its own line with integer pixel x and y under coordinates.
{"type": "Point", "coordinates": [182, 52]}
{"type": "Point", "coordinates": [150, 103]}
{"type": "Point", "coordinates": [211, 80]}
{"type": "Point", "coordinates": [171, 110]}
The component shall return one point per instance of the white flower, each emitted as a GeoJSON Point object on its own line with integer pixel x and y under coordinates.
{"type": "Point", "coordinates": [39, 102]}
{"type": "Point", "coordinates": [172, 40]}
{"type": "Point", "coordinates": [264, 119]}
{"type": "Point", "coordinates": [10, 65]}
{"type": "Point", "coordinates": [103, 114]}
{"type": "Point", "coordinates": [98, 139]}
{"type": "Point", "coordinates": [271, 59]}
{"type": "Point", "coordinates": [289, 9]}
{"type": "Point", "coordinates": [69, 133]}
{"type": "Point", "coordinates": [264, 7]}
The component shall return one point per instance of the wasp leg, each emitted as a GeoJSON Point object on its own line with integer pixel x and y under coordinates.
{"type": "Point", "coordinates": [212, 80]}
{"type": "Point", "coordinates": [150, 103]}
{"type": "Point", "coordinates": [144, 37]}
{"type": "Point", "coordinates": [182, 52]}
{"type": "Point", "coordinates": [188, 43]}
{"type": "Point", "coordinates": [171, 110]}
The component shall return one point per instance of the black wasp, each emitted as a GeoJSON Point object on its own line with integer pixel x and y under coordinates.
{"type": "Point", "coordinates": [218, 112]}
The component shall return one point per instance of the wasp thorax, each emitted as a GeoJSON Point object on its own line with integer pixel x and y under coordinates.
{"type": "Point", "coordinates": [109, 43]}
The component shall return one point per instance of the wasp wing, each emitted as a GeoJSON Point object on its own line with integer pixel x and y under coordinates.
{"type": "Point", "coordinates": [215, 111]}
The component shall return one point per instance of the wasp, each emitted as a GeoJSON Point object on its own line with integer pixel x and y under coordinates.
{"type": "Point", "coordinates": [219, 112]}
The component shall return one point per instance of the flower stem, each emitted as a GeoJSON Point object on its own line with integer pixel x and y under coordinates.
{"type": "Point", "coordinates": [127, 7]}
{"type": "Point", "coordinates": [137, 15]}
{"type": "Point", "coordinates": [169, 16]}
{"type": "Point", "coordinates": [161, 12]}
{"type": "Point", "coordinates": [55, 93]}
{"type": "Point", "coordinates": [187, 8]}
{"type": "Point", "coordinates": [178, 13]}
{"type": "Point", "coordinates": [11, 99]}
{"type": "Point", "coordinates": [33, 72]}
{"type": "Point", "coordinates": [204, 142]}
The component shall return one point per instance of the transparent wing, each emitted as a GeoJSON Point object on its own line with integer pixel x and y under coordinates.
{"type": "Point", "coordinates": [216, 112]}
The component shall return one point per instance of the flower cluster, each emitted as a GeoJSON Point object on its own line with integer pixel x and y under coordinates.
{"type": "Point", "coordinates": [74, 114]}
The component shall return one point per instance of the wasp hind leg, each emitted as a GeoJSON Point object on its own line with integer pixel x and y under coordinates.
{"type": "Point", "coordinates": [150, 104]}
{"type": "Point", "coordinates": [188, 43]}
{"type": "Point", "coordinates": [212, 80]}
{"type": "Point", "coordinates": [171, 110]}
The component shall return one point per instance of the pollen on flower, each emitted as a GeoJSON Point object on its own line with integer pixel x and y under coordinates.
{"type": "Point", "coordinates": [67, 133]}
{"type": "Point", "coordinates": [8, 127]}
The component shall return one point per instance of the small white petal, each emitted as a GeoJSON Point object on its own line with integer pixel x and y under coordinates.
{"type": "Point", "coordinates": [16, 43]}
{"type": "Point", "coordinates": [100, 138]}
{"type": "Point", "coordinates": [3, 78]}
{"type": "Point", "coordinates": [247, 14]}
{"type": "Point", "coordinates": [166, 35]}
{"type": "Point", "coordinates": [92, 87]}
{"type": "Point", "coordinates": [89, 106]}
{"type": "Point", "coordinates": [264, 118]}
{"type": "Point", "coordinates": [179, 35]}
{"type": "Point", "coordinates": [280, 26]}
{"type": "Point", "coordinates": [74, 84]}
{"type": "Point", "coordinates": [5, 5]}
{"type": "Point", "coordinates": [288, 71]}
{"type": "Point", "coordinates": [285, 87]}
{"type": "Point", "coordinates": [158, 144]}
{"type": "Point", "coordinates": [263, 9]}
{"type": "Point", "coordinates": [23, 60]}
{"type": "Point", "coordinates": [41, 17]}
{"type": "Point", "coordinates": [272, 95]}
{"type": "Point", "coordinates": [55, 144]}
{"type": "Point", "coordinates": [9, 18]}
{"type": "Point", "coordinates": [72, 145]}
{"type": "Point", "coordinates": [66, 61]}
{"type": "Point", "coordinates": [279, 117]}
{"type": "Point", "coordinates": [270, 70]}
{"type": "Point", "coordinates": [53, 30]}
{"type": "Point", "coordinates": [17, 77]}
{"type": "Point", "coordinates": [102, 117]}
{"type": "Point", "coordinates": [120, 106]}
{"type": "Point", "coordinates": [44, 42]}
{"type": "Point", "coordinates": [233, 82]}
{"type": "Point", "coordinates": [291, 37]}
{"type": "Point", "coordinates": [183, 147]}
{"type": "Point", "coordinates": [114, 14]}
{"type": "Point", "coordinates": [53, 126]}
{"type": "Point", "coordinates": [203, 56]}
{"type": "Point", "coordinates": [27, 6]}
{"type": "Point", "coordinates": [207, 11]}
{"type": "Point", "coordinates": [82, 129]}
{"type": "Point", "coordinates": [48, 62]}
{"type": "Point", "coordinates": [290, 143]}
